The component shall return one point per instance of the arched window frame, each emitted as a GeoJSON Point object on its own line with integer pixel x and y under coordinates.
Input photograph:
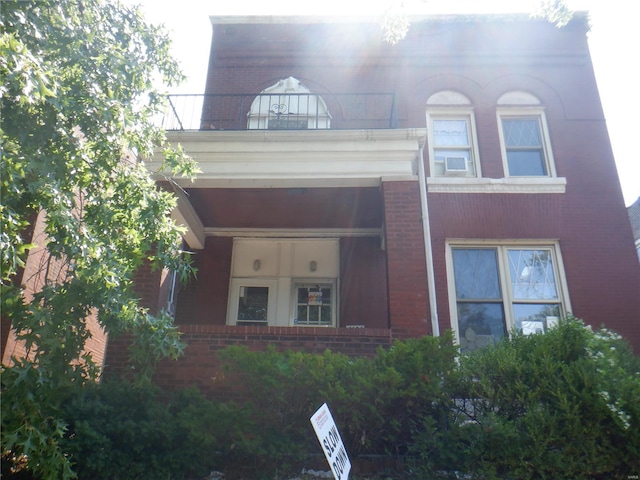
{"type": "Point", "coordinates": [288, 105]}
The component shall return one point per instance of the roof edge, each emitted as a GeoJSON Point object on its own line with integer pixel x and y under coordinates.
{"type": "Point", "coordinates": [318, 19]}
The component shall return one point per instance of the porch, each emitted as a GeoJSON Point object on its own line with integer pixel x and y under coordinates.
{"type": "Point", "coordinates": [303, 239]}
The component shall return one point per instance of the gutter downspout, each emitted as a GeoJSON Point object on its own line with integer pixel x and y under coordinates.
{"type": "Point", "coordinates": [431, 280]}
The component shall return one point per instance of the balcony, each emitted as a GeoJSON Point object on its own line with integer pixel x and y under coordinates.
{"type": "Point", "coordinates": [263, 111]}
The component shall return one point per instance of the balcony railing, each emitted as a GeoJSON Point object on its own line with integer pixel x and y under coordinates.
{"type": "Point", "coordinates": [281, 111]}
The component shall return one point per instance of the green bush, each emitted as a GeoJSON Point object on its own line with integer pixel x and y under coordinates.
{"type": "Point", "coordinates": [559, 405]}
{"type": "Point", "coordinates": [118, 431]}
{"type": "Point", "coordinates": [375, 402]}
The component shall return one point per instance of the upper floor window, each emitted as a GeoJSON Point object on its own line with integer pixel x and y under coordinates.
{"type": "Point", "coordinates": [502, 287]}
{"type": "Point", "coordinates": [288, 105]}
{"type": "Point", "coordinates": [524, 137]}
{"type": "Point", "coordinates": [453, 147]}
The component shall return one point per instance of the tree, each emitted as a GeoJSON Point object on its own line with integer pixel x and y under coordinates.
{"type": "Point", "coordinates": [78, 108]}
{"type": "Point", "coordinates": [395, 21]}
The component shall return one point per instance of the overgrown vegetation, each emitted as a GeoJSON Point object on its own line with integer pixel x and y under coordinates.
{"type": "Point", "coordinates": [558, 405]}
{"type": "Point", "coordinates": [78, 102]}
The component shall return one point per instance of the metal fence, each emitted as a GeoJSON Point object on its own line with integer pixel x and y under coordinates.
{"type": "Point", "coordinates": [280, 111]}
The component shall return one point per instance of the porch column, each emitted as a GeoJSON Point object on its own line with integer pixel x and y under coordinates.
{"type": "Point", "coordinates": [406, 267]}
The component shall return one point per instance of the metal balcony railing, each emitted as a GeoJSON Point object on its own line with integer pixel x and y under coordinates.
{"type": "Point", "coordinates": [281, 111]}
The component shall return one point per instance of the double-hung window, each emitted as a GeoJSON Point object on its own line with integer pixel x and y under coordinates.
{"type": "Point", "coordinates": [495, 289]}
{"type": "Point", "coordinates": [524, 146]}
{"type": "Point", "coordinates": [314, 304]}
{"type": "Point", "coordinates": [453, 149]}
{"type": "Point", "coordinates": [452, 146]}
{"type": "Point", "coordinates": [524, 136]}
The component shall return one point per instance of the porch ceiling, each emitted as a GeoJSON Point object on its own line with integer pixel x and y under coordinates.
{"type": "Point", "coordinates": [290, 180]}
{"type": "Point", "coordinates": [283, 208]}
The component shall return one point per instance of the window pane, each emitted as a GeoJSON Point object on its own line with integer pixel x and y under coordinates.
{"type": "Point", "coordinates": [526, 163]}
{"type": "Point", "coordinates": [314, 314]}
{"type": "Point", "coordinates": [535, 318]}
{"type": "Point", "coordinates": [476, 273]}
{"type": "Point", "coordinates": [480, 324]}
{"type": "Point", "coordinates": [313, 306]}
{"type": "Point", "coordinates": [326, 296]}
{"type": "Point", "coordinates": [288, 123]}
{"type": "Point", "coordinates": [521, 132]}
{"type": "Point", "coordinates": [450, 133]}
{"type": "Point", "coordinates": [532, 275]}
{"type": "Point", "coordinates": [252, 304]}
{"type": "Point", "coordinates": [303, 295]}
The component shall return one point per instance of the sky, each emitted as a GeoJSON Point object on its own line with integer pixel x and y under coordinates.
{"type": "Point", "coordinates": [613, 42]}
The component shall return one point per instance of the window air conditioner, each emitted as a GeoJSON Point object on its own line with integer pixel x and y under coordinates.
{"type": "Point", "coordinates": [455, 165]}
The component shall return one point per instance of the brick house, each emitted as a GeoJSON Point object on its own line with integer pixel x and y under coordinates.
{"type": "Point", "coordinates": [355, 192]}
{"type": "Point", "coordinates": [634, 218]}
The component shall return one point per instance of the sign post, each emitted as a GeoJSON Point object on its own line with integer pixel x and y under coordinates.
{"type": "Point", "coordinates": [331, 442]}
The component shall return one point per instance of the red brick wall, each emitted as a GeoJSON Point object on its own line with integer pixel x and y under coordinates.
{"type": "Point", "coordinates": [204, 299]}
{"type": "Point", "coordinates": [406, 266]}
{"type": "Point", "coordinates": [200, 365]}
{"type": "Point", "coordinates": [148, 286]}
{"type": "Point", "coordinates": [363, 283]}
{"type": "Point", "coordinates": [40, 268]}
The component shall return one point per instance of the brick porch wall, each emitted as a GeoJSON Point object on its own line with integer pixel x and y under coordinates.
{"type": "Point", "coordinates": [201, 367]}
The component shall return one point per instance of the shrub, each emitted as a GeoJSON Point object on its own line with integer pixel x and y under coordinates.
{"type": "Point", "coordinates": [375, 402]}
{"type": "Point", "coordinates": [117, 431]}
{"type": "Point", "coordinates": [558, 405]}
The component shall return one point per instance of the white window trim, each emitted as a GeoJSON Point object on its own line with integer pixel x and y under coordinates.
{"type": "Point", "coordinates": [234, 296]}
{"type": "Point", "coordinates": [299, 282]}
{"type": "Point", "coordinates": [538, 112]}
{"type": "Point", "coordinates": [529, 185]}
{"type": "Point", "coordinates": [453, 113]}
{"type": "Point", "coordinates": [507, 300]}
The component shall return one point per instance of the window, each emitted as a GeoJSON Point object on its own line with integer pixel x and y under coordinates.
{"type": "Point", "coordinates": [524, 138]}
{"type": "Point", "coordinates": [452, 152]}
{"type": "Point", "coordinates": [314, 304]}
{"type": "Point", "coordinates": [253, 301]}
{"type": "Point", "coordinates": [288, 105]}
{"type": "Point", "coordinates": [523, 146]}
{"type": "Point", "coordinates": [500, 288]}
{"type": "Point", "coordinates": [452, 139]}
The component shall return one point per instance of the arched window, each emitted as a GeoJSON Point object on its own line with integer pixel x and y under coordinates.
{"type": "Point", "coordinates": [288, 105]}
{"type": "Point", "coordinates": [524, 137]}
